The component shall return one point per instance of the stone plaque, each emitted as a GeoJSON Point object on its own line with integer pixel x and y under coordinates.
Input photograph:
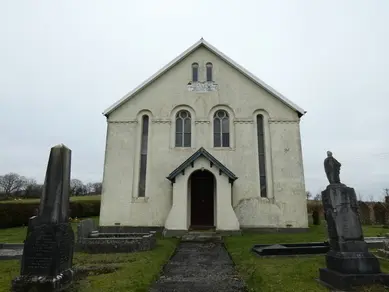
{"type": "Point", "coordinates": [349, 224]}
{"type": "Point", "coordinates": [39, 251]}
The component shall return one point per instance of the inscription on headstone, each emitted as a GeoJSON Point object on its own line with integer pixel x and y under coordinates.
{"type": "Point", "coordinates": [39, 251]}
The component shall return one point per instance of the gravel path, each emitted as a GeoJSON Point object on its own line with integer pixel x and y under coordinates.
{"type": "Point", "coordinates": [199, 266]}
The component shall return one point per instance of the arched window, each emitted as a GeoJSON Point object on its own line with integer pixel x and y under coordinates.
{"type": "Point", "coordinates": [195, 72]}
{"type": "Point", "coordinates": [143, 156]}
{"type": "Point", "coordinates": [183, 129]}
{"type": "Point", "coordinates": [209, 71]}
{"type": "Point", "coordinates": [261, 155]}
{"type": "Point", "coordinates": [221, 129]}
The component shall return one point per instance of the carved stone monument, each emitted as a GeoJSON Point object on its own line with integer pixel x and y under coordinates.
{"type": "Point", "coordinates": [349, 262]}
{"type": "Point", "coordinates": [48, 249]}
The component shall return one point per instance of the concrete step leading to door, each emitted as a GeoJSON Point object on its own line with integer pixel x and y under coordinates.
{"type": "Point", "coordinates": [198, 236]}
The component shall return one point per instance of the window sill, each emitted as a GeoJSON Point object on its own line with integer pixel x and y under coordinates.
{"type": "Point", "coordinates": [184, 148]}
{"type": "Point", "coordinates": [140, 200]}
{"type": "Point", "coordinates": [223, 148]}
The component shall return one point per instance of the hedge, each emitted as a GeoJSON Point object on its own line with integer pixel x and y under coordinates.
{"type": "Point", "coordinates": [17, 214]}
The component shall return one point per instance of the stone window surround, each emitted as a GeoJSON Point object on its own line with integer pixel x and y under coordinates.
{"type": "Point", "coordinates": [136, 173]}
{"type": "Point", "coordinates": [173, 115]}
{"type": "Point", "coordinates": [184, 131]}
{"type": "Point", "coordinates": [268, 158]}
{"type": "Point", "coordinates": [201, 71]}
{"type": "Point", "coordinates": [195, 72]}
{"type": "Point", "coordinates": [231, 119]}
{"type": "Point", "coordinates": [205, 120]}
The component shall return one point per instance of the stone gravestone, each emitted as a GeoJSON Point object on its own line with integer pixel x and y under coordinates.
{"type": "Point", "coordinates": [349, 262]}
{"type": "Point", "coordinates": [48, 249]}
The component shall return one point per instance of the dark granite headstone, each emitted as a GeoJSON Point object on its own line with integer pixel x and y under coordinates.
{"type": "Point", "coordinates": [48, 248]}
{"type": "Point", "coordinates": [349, 262]}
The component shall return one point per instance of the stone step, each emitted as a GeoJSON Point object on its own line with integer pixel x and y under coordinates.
{"type": "Point", "coordinates": [201, 237]}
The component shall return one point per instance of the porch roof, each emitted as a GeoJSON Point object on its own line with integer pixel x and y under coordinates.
{"type": "Point", "coordinates": [213, 161]}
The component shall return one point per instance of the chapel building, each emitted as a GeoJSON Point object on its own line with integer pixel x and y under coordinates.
{"type": "Point", "coordinates": [203, 144]}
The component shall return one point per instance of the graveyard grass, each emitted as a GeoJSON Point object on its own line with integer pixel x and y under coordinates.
{"type": "Point", "coordinates": [72, 199]}
{"type": "Point", "coordinates": [137, 271]}
{"type": "Point", "coordinates": [287, 274]}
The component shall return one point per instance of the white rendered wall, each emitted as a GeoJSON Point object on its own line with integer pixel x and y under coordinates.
{"type": "Point", "coordinates": [286, 202]}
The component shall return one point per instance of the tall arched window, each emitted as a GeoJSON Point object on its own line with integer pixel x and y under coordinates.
{"type": "Point", "coordinates": [143, 156]}
{"type": "Point", "coordinates": [221, 129]}
{"type": "Point", "coordinates": [183, 129]}
{"type": "Point", "coordinates": [195, 72]}
{"type": "Point", "coordinates": [209, 71]}
{"type": "Point", "coordinates": [261, 155]}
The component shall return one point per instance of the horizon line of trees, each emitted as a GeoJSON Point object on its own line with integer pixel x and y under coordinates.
{"type": "Point", "coordinates": [13, 185]}
{"type": "Point", "coordinates": [317, 197]}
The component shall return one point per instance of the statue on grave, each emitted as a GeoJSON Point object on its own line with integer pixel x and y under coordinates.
{"type": "Point", "coordinates": [332, 168]}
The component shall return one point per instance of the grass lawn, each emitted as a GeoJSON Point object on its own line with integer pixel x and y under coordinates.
{"type": "Point", "coordinates": [18, 234]}
{"type": "Point", "coordinates": [78, 198]}
{"type": "Point", "coordinates": [286, 273]}
{"type": "Point", "coordinates": [137, 271]}
{"type": "Point", "coordinates": [134, 271]}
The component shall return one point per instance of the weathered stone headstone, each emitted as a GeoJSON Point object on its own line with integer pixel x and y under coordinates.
{"type": "Point", "coordinates": [48, 249]}
{"type": "Point", "coordinates": [349, 263]}
{"type": "Point", "coordinates": [84, 229]}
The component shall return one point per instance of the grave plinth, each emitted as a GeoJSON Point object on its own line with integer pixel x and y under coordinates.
{"type": "Point", "coordinates": [384, 251]}
{"type": "Point", "coordinates": [349, 262]}
{"type": "Point", "coordinates": [48, 249]}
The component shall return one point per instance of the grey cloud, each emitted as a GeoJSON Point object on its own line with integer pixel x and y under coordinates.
{"type": "Point", "coordinates": [63, 63]}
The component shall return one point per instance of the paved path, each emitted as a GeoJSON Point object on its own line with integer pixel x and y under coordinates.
{"type": "Point", "coordinates": [199, 266]}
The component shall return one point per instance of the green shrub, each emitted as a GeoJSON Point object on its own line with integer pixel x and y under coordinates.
{"type": "Point", "coordinates": [14, 214]}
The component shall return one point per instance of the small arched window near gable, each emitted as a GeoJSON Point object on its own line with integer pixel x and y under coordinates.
{"type": "Point", "coordinates": [209, 71]}
{"type": "Point", "coordinates": [183, 129]}
{"type": "Point", "coordinates": [195, 72]}
{"type": "Point", "coordinates": [221, 129]}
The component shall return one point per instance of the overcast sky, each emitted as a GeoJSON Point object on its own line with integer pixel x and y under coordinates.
{"type": "Point", "coordinates": [63, 62]}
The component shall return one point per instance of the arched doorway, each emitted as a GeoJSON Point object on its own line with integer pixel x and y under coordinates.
{"type": "Point", "coordinates": [202, 199]}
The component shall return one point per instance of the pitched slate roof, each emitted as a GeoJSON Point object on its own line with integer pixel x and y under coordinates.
{"type": "Point", "coordinates": [226, 59]}
{"type": "Point", "coordinates": [195, 156]}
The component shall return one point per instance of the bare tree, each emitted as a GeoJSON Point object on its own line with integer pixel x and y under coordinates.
{"type": "Point", "coordinates": [360, 197]}
{"type": "Point", "coordinates": [308, 194]}
{"type": "Point", "coordinates": [12, 182]}
{"type": "Point", "coordinates": [77, 188]}
{"type": "Point", "coordinates": [317, 197]}
{"type": "Point", "coordinates": [371, 198]}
